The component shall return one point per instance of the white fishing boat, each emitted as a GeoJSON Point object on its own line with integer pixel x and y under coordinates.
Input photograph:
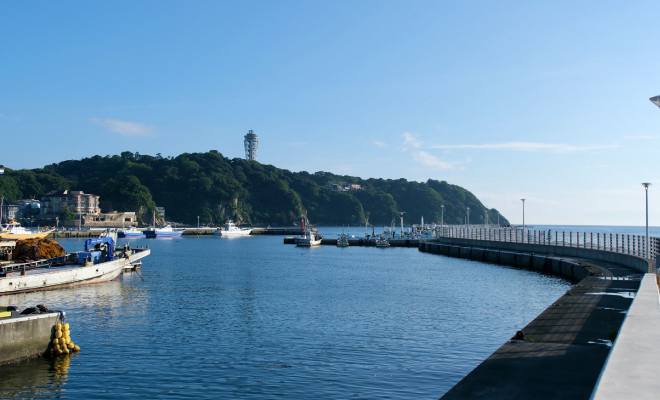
{"type": "Point", "coordinates": [100, 262]}
{"type": "Point", "coordinates": [14, 231]}
{"type": "Point", "coordinates": [230, 229]}
{"type": "Point", "coordinates": [308, 239]}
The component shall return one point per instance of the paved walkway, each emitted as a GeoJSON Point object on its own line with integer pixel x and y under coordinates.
{"type": "Point", "coordinates": [632, 368]}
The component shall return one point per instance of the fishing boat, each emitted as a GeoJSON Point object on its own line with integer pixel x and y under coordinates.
{"type": "Point", "coordinates": [132, 232]}
{"type": "Point", "coordinates": [99, 262]}
{"type": "Point", "coordinates": [167, 231]}
{"type": "Point", "coordinates": [231, 230]}
{"type": "Point", "coordinates": [382, 242]}
{"type": "Point", "coordinates": [343, 239]}
{"type": "Point", "coordinates": [14, 231]}
{"type": "Point", "coordinates": [309, 237]}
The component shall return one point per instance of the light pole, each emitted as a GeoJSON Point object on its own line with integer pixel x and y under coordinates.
{"type": "Point", "coordinates": [442, 223]}
{"type": "Point", "coordinates": [523, 201]}
{"type": "Point", "coordinates": [2, 196]}
{"type": "Point", "coordinates": [198, 222]}
{"type": "Point", "coordinates": [646, 189]}
{"type": "Point", "coordinates": [655, 100]}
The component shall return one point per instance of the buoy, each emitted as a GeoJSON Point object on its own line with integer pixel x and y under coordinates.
{"type": "Point", "coordinates": [57, 350]}
{"type": "Point", "coordinates": [65, 350]}
{"type": "Point", "coordinates": [58, 334]}
{"type": "Point", "coordinates": [55, 342]}
{"type": "Point", "coordinates": [66, 326]}
{"type": "Point", "coordinates": [76, 349]}
{"type": "Point", "coordinates": [58, 327]}
{"type": "Point", "coordinates": [70, 345]}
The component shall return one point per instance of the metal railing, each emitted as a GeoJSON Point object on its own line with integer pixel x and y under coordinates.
{"type": "Point", "coordinates": [614, 242]}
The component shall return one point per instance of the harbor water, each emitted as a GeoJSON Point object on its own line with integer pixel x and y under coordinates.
{"type": "Point", "coordinates": [250, 317]}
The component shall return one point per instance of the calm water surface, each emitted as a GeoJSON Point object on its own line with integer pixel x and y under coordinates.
{"type": "Point", "coordinates": [253, 318]}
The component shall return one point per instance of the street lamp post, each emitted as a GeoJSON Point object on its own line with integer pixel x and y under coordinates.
{"type": "Point", "coordinates": [523, 201]}
{"type": "Point", "coordinates": [646, 189]}
{"type": "Point", "coordinates": [2, 196]}
{"type": "Point", "coordinates": [198, 222]}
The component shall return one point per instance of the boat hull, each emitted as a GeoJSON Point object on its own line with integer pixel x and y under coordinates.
{"type": "Point", "coordinates": [308, 243]}
{"type": "Point", "coordinates": [18, 236]}
{"type": "Point", "coordinates": [67, 276]}
{"type": "Point", "coordinates": [153, 235]}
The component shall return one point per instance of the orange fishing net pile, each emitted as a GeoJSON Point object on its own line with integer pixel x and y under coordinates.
{"type": "Point", "coordinates": [37, 249]}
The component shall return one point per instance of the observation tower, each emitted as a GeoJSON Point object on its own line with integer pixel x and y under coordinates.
{"type": "Point", "coordinates": [251, 143]}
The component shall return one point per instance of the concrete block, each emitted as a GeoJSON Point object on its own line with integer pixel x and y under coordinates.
{"type": "Point", "coordinates": [507, 258]}
{"type": "Point", "coordinates": [478, 254]}
{"type": "Point", "coordinates": [538, 263]}
{"type": "Point", "coordinates": [523, 260]}
{"type": "Point", "coordinates": [492, 256]}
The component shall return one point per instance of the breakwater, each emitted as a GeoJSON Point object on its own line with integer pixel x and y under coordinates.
{"type": "Point", "coordinates": [364, 242]}
{"type": "Point", "coordinates": [562, 352]}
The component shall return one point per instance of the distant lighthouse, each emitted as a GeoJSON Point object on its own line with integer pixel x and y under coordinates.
{"type": "Point", "coordinates": [251, 143]}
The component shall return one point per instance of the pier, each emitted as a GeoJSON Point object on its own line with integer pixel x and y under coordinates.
{"type": "Point", "coordinates": [565, 351]}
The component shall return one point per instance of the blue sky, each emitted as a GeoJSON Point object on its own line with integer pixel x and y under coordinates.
{"type": "Point", "coordinates": [508, 99]}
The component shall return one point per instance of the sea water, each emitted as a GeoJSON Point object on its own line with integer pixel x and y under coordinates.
{"type": "Point", "coordinates": [250, 317]}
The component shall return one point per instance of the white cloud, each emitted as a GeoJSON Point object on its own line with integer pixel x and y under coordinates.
{"type": "Point", "coordinates": [527, 146]}
{"type": "Point", "coordinates": [125, 128]}
{"type": "Point", "coordinates": [428, 160]}
{"type": "Point", "coordinates": [640, 137]}
{"type": "Point", "coordinates": [379, 143]}
{"type": "Point", "coordinates": [410, 141]}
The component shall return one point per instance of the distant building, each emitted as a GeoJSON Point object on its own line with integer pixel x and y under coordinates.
{"type": "Point", "coordinates": [20, 209]}
{"type": "Point", "coordinates": [251, 143]}
{"type": "Point", "coordinates": [343, 187]}
{"type": "Point", "coordinates": [78, 202]}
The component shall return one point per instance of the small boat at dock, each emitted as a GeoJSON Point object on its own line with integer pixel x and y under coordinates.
{"type": "Point", "coordinates": [132, 232]}
{"type": "Point", "coordinates": [14, 231]}
{"type": "Point", "coordinates": [167, 231]}
{"type": "Point", "coordinates": [230, 230]}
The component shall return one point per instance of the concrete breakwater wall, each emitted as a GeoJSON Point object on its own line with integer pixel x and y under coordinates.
{"type": "Point", "coordinates": [542, 263]}
{"type": "Point", "coordinates": [364, 242]}
{"type": "Point", "coordinates": [562, 352]}
{"type": "Point", "coordinates": [631, 261]}
{"type": "Point", "coordinates": [25, 337]}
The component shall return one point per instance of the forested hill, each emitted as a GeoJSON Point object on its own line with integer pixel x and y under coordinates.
{"type": "Point", "coordinates": [214, 188]}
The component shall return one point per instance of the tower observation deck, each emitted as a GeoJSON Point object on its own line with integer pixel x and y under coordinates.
{"type": "Point", "coordinates": [251, 145]}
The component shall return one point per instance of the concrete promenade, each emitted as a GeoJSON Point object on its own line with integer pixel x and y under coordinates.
{"type": "Point", "coordinates": [564, 349]}
{"type": "Point", "coordinates": [632, 368]}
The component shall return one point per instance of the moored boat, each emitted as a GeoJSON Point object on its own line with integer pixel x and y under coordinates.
{"type": "Point", "coordinates": [132, 232]}
{"type": "Point", "coordinates": [382, 242]}
{"type": "Point", "coordinates": [230, 229]}
{"type": "Point", "coordinates": [342, 241]}
{"type": "Point", "coordinates": [14, 231]}
{"type": "Point", "coordinates": [99, 262]}
{"type": "Point", "coordinates": [167, 231]}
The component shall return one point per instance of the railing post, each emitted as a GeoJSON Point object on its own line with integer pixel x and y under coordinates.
{"type": "Point", "coordinates": [610, 242]}
{"type": "Point", "coordinates": [591, 240]}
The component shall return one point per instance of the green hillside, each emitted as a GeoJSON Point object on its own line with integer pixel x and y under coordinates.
{"type": "Point", "coordinates": [214, 188]}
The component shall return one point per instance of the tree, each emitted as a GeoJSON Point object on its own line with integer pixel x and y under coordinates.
{"type": "Point", "coordinates": [67, 215]}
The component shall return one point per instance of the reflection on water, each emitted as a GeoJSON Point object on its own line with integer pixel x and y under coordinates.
{"type": "Point", "coordinates": [254, 318]}
{"type": "Point", "coordinates": [35, 378]}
